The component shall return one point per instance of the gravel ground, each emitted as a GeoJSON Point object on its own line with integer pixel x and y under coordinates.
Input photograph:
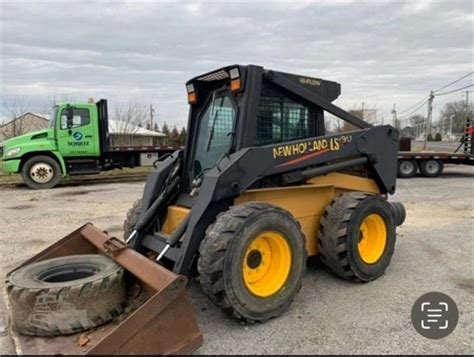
{"type": "Point", "coordinates": [433, 253]}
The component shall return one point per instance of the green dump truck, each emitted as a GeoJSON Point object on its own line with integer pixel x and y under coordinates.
{"type": "Point", "coordinates": [76, 142]}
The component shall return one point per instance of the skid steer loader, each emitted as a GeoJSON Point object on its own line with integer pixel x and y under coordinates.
{"type": "Point", "coordinates": [259, 187]}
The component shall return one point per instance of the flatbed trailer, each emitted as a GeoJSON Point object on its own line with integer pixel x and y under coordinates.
{"type": "Point", "coordinates": [431, 164]}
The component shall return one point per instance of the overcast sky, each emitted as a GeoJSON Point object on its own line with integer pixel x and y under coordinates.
{"type": "Point", "coordinates": [381, 52]}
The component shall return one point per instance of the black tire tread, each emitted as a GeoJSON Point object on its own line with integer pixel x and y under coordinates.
{"type": "Point", "coordinates": [89, 290]}
{"type": "Point", "coordinates": [332, 233]}
{"type": "Point", "coordinates": [132, 218]}
{"type": "Point", "coordinates": [212, 253]}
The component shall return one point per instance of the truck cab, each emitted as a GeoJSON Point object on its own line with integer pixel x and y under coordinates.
{"type": "Point", "coordinates": [75, 143]}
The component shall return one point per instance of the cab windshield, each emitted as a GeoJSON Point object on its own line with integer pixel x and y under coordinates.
{"type": "Point", "coordinates": [215, 132]}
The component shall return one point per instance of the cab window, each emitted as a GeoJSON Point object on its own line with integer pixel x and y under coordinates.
{"type": "Point", "coordinates": [282, 118]}
{"type": "Point", "coordinates": [81, 117]}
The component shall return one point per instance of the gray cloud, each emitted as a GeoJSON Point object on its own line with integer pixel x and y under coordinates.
{"type": "Point", "coordinates": [381, 52]}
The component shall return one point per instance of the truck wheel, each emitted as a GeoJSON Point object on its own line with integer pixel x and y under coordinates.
{"type": "Point", "coordinates": [252, 261]}
{"type": "Point", "coordinates": [132, 218]}
{"type": "Point", "coordinates": [357, 236]}
{"type": "Point", "coordinates": [407, 168]}
{"type": "Point", "coordinates": [431, 168]}
{"type": "Point", "coordinates": [65, 295]}
{"type": "Point", "coordinates": [40, 172]}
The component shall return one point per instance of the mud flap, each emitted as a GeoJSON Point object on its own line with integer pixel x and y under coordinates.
{"type": "Point", "coordinates": [164, 324]}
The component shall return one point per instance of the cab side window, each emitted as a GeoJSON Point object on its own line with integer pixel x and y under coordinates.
{"type": "Point", "coordinates": [281, 118]}
{"type": "Point", "coordinates": [81, 117]}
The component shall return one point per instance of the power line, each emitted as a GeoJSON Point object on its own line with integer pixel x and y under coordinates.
{"type": "Point", "coordinates": [413, 106]}
{"type": "Point", "coordinates": [455, 90]}
{"type": "Point", "coordinates": [457, 80]}
{"type": "Point", "coordinates": [418, 108]}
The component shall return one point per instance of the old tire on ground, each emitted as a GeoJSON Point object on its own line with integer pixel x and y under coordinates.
{"type": "Point", "coordinates": [407, 168]}
{"type": "Point", "coordinates": [252, 261]}
{"type": "Point", "coordinates": [41, 172]}
{"type": "Point", "coordinates": [431, 168]}
{"type": "Point", "coordinates": [132, 218]}
{"type": "Point", "coordinates": [357, 236]}
{"type": "Point", "coordinates": [65, 295]}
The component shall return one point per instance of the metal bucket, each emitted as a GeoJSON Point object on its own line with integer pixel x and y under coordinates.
{"type": "Point", "coordinates": [164, 324]}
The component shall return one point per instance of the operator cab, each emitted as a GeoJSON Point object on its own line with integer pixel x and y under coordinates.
{"type": "Point", "coordinates": [236, 107]}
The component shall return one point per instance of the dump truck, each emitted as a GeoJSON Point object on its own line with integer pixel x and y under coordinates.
{"type": "Point", "coordinates": [259, 187]}
{"type": "Point", "coordinates": [431, 163]}
{"type": "Point", "coordinates": [77, 142]}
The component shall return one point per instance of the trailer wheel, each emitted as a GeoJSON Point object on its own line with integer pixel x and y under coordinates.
{"type": "Point", "coordinates": [132, 218]}
{"type": "Point", "coordinates": [65, 295]}
{"type": "Point", "coordinates": [407, 168]}
{"type": "Point", "coordinates": [252, 261]}
{"type": "Point", "coordinates": [41, 172]}
{"type": "Point", "coordinates": [431, 168]}
{"type": "Point", "coordinates": [357, 236]}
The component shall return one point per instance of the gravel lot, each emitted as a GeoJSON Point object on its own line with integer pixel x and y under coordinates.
{"type": "Point", "coordinates": [434, 253]}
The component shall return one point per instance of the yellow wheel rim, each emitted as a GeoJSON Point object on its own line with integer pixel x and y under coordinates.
{"type": "Point", "coordinates": [372, 238]}
{"type": "Point", "coordinates": [266, 264]}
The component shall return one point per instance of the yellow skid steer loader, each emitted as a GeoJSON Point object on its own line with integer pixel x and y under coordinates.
{"type": "Point", "coordinates": [259, 187]}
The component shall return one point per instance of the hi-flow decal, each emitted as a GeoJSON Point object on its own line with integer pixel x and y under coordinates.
{"type": "Point", "coordinates": [309, 149]}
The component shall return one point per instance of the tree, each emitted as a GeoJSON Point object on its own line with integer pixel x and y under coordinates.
{"type": "Point", "coordinates": [166, 130]}
{"type": "Point", "coordinates": [14, 108]}
{"type": "Point", "coordinates": [415, 127]}
{"type": "Point", "coordinates": [182, 136]}
{"type": "Point", "coordinates": [128, 119]}
{"type": "Point", "coordinates": [174, 136]}
{"type": "Point", "coordinates": [458, 110]}
{"type": "Point", "coordinates": [362, 112]}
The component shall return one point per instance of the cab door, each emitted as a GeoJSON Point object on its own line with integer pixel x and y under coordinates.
{"type": "Point", "coordinates": [82, 137]}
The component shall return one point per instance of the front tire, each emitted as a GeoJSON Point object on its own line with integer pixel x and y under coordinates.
{"type": "Point", "coordinates": [132, 218]}
{"type": "Point", "coordinates": [357, 236]}
{"type": "Point", "coordinates": [252, 261]}
{"type": "Point", "coordinates": [41, 172]}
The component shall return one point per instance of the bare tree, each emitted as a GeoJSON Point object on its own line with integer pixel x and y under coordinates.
{"type": "Point", "coordinates": [365, 111]}
{"type": "Point", "coordinates": [13, 109]}
{"type": "Point", "coordinates": [414, 125]}
{"type": "Point", "coordinates": [459, 113]}
{"type": "Point", "coordinates": [129, 118]}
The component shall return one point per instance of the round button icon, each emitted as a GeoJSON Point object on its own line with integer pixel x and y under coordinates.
{"type": "Point", "coordinates": [434, 315]}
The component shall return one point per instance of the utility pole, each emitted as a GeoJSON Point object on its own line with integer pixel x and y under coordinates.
{"type": "Point", "coordinates": [467, 104]}
{"type": "Point", "coordinates": [428, 119]}
{"type": "Point", "coordinates": [152, 112]}
{"type": "Point", "coordinates": [394, 113]}
{"type": "Point", "coordinates": [451, 125]}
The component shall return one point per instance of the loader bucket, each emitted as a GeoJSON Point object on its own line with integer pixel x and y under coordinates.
{"type": "Point", "coordinates": [164, 324]}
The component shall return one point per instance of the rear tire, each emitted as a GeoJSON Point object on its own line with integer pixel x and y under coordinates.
{"type": "Point", "coordinates": [407, 168]}
{"type": "Point", "coordinates": [252, 261]}
{"type": "Point", "coordinates": [65, 295]}
{"type": "Point", "coordinates": [41, 172]}
{"type": "Point", "coordinates": [357, 236]}
{"type": "Point", "coordinates": [431, 168]}
{"type": "Point", "coordinates": [132, 218]}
